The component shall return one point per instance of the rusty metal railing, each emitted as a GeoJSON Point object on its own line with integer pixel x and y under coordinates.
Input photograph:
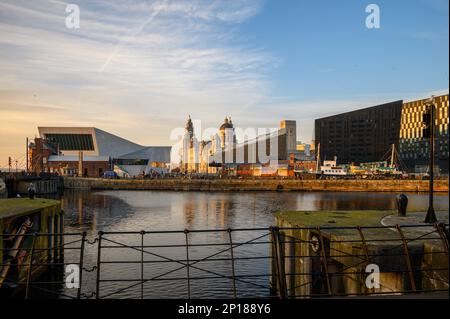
{"type": "Point", "coordinates": [299, 262]}
{"type": "Point", "coordinates": [331, 271]}
{"type": "Point", "coordinates": [38, 267]}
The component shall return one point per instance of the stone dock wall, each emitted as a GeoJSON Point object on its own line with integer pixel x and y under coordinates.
{"type": "Point", "coordinates": [347, 254]}
{"type": "Point", "coordinates": [256, 185]}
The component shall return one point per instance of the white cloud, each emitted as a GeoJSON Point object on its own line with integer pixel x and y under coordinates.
{"type": "Point", "coordinates": [130, 60]}
{"type": "Point", "coordinates": [137, 68]}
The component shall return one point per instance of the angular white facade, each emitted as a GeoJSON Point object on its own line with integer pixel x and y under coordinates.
{"type": "Point", "coordinates": [98, 143]}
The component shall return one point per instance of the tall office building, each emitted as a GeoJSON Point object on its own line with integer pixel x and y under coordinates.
{"type": "Point", "coordinates": [414, 148]}
{"type": "Point", "coordinates": [290, 129]}
{"type": "Point", "coordinates": [360, 136]}
{"type": "Point", "coordinates": [366, 135]}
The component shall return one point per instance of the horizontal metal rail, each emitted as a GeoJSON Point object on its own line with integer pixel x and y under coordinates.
{"type": "Point", "coordinates": [272, 262]}
{"type": "Point", "coordinates": [44, 262]}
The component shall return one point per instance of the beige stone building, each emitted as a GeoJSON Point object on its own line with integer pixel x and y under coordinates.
{"type": "Point", "coordinates": [198, 156]}
{"type": "Point", "coordinates": [223, 152]}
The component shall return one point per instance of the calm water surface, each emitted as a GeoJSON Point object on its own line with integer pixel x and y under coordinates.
{"type": "Point", "coordinates": [154, 211]}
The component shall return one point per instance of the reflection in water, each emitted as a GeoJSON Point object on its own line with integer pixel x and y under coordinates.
{"type": "Point", "coordinates": [154, 210]}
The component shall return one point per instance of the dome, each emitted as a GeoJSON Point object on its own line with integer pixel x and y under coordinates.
{"type": "Point", "coordinates": [227, 124]}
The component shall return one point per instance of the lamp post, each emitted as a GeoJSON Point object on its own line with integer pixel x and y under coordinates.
{"type": "Point", "coordinates": [26, 150]}
{"type": "Point", "coordinates": [207, 164]}
{"type": "Point", "coordinates": [429, 132]}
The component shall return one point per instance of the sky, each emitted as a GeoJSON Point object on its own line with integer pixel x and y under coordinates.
{"type": "Point", "coordinates": [138, 68]}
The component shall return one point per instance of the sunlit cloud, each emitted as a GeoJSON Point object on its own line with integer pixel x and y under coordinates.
{"type": "Point", "coordinates": [130, 61]}
{"type": "Point", "coordinates": [138, 68]}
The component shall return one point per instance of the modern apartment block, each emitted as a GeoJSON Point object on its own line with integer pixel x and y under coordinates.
{"type": "Point", "coordinates": [414, 149]}
{"type": "Point", "coordinates": [360, 136]}
{"type": "Point", "coordinates": [366, 135]}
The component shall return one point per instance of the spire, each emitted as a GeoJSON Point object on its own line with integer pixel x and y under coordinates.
{"type": "Point", "coordinates": [189, 126]}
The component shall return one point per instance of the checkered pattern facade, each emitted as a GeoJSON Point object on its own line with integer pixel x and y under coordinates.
{"type": "Point", "coordinates": [414, 149]}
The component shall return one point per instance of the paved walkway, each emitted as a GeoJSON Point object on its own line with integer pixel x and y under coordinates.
{"type": "Point", "coordinates": [426, 231]}
{"type": "Point", "coordinates": [413, 219]}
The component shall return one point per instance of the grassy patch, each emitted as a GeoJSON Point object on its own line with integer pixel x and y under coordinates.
{"type": "Point", "coordinates": [333, 218]}
{"type": "Point", "coordinates": [21, 206]}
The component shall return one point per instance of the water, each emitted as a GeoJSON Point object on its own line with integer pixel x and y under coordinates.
{"type": "Point", "coordinates": [156, 211]}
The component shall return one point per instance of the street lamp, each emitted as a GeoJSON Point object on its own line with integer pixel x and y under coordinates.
{"type": "Point", "coordinates": [429, 132]}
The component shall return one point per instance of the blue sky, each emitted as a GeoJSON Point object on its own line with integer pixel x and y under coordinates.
{"type": "Point", "coordinates": [138, 68]}
{"type": "Point", "coordinates": [328, 52]}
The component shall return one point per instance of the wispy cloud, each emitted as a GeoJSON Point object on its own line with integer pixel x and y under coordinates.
{"type": "Point", "coordinates": [437, 5]}
{"type": "Point", "coordinates": [137, 68]}
{"type": "Point", "coordinates": [430, 36]}
{"type": "Point", "coordinates": [130, 60]}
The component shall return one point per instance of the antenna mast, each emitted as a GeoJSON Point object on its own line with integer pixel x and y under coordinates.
{"type": "Point", "coordinates": [318, 158]}
{"type": "Point", "coordinates": [392, 155]}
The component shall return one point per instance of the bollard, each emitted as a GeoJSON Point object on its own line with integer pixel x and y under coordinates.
{"type": "Point", "coordinates": [402, 204]}
{"type": "Point", "coordinates": [31, 191]}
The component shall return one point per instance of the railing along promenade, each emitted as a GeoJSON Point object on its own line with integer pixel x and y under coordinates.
{"type": "Point", "coordinates": [252, 262]}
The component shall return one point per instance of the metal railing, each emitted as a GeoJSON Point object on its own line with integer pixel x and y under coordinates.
{"type": "Point", "coordinates": [37, 268]}
{"type": "Point", "coordinates": [299, 262]}
{"type": "Point", "coordinates": [191, 256]}
{"type": "Point", "coordinates": [400, 257]}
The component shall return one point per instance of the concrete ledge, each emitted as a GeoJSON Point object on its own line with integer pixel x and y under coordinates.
{"type": "Point", "coordinates": [256, 185]}
{"type": "Point", "coordinates": [23, 206]}
{"type": "Point", "coordinates": [347, 253]}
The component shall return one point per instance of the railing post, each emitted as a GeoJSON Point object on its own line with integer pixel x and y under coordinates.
{"type": "Point", "coordinates": [366, 251]}
{"type": "Point", "coordinates": [441, 231]}
{"type": "Point", "coordinates": [81, 263]}
{"type": "Point", "coordinates": [324, 260]}
{"type": "Point", "coordinates": [232, 263]}
{"type": "Point", "coordinates": [274, 260]}
{"type": "Point", "coordinates": [186, 232]}
{"type": "Point", "coordinates": [61, 239]}
{"type": "Point", "coordinates": [142, 264]}
{"type": "Point", "coordinates": [99, 260]}
{"type": "Point", "coordinates": [49, 249]}
{"type": "Point", "coordinates": [407, 258]}
{"type": "Point", "coordinates": [30, 266]}
{"type": "Point", "coordinates": [364, 244]}
{"type": "Point", "coordinates": [279, 261]}
{"type": "Point", "coordinates": [55, 240]}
